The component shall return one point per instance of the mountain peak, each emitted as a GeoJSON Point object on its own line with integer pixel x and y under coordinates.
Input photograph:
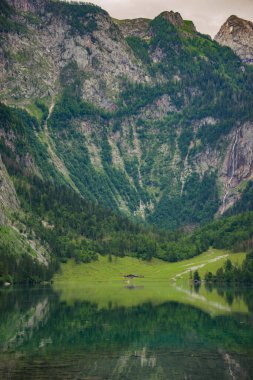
{"type": "Point", "coordinates": [233, 19]}
{"type": "Point", "coordinates": [174, 18]}
{"type": "Point", "coordinates": [237, 34]}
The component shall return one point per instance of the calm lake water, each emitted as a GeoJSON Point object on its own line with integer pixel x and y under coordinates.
{"type": "Point", "coordinates": [42, 336]}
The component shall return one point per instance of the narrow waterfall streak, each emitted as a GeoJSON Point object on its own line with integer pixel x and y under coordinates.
{"type": "Point", "coordinates": [233, 158]}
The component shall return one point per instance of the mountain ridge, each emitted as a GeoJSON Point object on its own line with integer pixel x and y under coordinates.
{"type": "Point", "coordinates": [237, 34]}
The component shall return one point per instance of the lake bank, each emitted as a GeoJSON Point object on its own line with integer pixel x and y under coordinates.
{"type": "Point", "coordinates": [103, 282]}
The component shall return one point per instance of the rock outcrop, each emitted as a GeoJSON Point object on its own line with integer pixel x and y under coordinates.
{"type": "Point", "coordinates": [237, 34]}
{"type": "Point", "coordinates": [51, 43]}
{"type": "Point", "coordinates": [238, 164]}
{"type": "Point", "coordinates": [174, 18]}
{"type": "Point", "coordinates": [137, 27]}
{"type": "Point", "coordinates": [28, 5]}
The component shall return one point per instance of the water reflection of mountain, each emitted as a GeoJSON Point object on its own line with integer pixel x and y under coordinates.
{"type": "Point", "coordinates": [141, 342]}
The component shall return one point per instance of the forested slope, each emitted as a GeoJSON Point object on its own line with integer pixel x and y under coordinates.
{"type": "Point", "coordinates": [101, 121]}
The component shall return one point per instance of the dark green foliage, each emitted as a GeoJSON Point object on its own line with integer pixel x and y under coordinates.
{"type": "Point", "coordinates": [166, 37]}
{"type": "Point", "coordinates": [231, 273]}
{"type": "Point", "coordinates": [214, 70]}
{"type": "Point", "coordinates": [70, 104]}
{"type": "Point", "coordinates": [98, 334]}
{"type": "Point", "coordinates": [106, 153]}
{"type": "Point", "coordinates": [196, 276]}
{"type": "Point", "coordinates": [17, 261]}
{"type": "Point", "coordinates": [208, 277]}
{"type": "Point", "coordinates": [26, 143]}
{"type": "Point", "coordinates": [189, 27]}
{"type": "Point", "coordinates": [245, 203]}
{"type": "Point", "coordinates": [79, 229]}
{"type": "Point", "coordinates": [136, 95]}
{"type": "Point", "coordinates": [7, 23]}
{"type": "Point", "coordinates": [5, 8]}
{"type": "Point", "coordinates": [81, 17]}
{"type": "Point", "coordinates": [209, 134]}
{"type": "Point", "coordinates": [102, 187]}
{"type": "Point", "coordinates": [198, 202]}
{"type": "Point", "coordinates": [90, 329]}
{"type": "Point", "coordinates": [43, 109]}
{"type": "Point", "coordinates": [140, 48]}
{"type": "Point", "coordinates": [234, 232]}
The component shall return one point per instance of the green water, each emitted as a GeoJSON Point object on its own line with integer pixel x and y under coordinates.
{"type": "Point", "coordinates": [44, 337]}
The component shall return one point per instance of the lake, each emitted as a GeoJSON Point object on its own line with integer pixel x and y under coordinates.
{"type": "Point", "coordinates": [46, 334]}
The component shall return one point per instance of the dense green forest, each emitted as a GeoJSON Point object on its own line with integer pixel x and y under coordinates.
{"type": "Point", "coordinates": [69, 225]}
{"type": "Point", "coordinates": [231, 273]}
{"type": "Point", "coordinates": [72, 227]}
{"type": "Point", "coordinates": [245, 203]}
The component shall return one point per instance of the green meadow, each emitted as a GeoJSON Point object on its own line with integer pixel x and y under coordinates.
{"type": "Point", "coordinates": [103, 282]}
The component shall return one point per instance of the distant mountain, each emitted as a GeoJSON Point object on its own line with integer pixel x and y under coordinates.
{"type": "Point", "coordinates": [237, 34]}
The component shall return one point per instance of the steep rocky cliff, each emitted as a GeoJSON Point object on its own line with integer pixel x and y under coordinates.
{"type": "Point", "coordinates": [28, 5]}
{"type": "Point", "coordinates": [144, 116]}
{"type": "Point", "coordinates": [237, 34]}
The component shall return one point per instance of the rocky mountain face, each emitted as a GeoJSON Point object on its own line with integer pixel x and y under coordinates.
{"type": "Point", "coordinates": [173, 18]}
{"type": "Point", "coordinates": [148, 117]}
{"type": "Point", "coordinates": [237, 34]}
{"type": "Point", "coordinates": [138, 27]}
{"type": "Point", "coordinates": [28, 5]}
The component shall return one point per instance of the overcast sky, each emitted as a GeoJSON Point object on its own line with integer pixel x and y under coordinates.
{"type": "Point", "coordinates": [208, 15]}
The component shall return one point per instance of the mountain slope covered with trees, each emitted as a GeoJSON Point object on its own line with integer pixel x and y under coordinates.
{"type": "Point", "coordinates": [116, 137]}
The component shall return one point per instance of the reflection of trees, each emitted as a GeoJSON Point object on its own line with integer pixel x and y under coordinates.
{"type": "Point", "coordinates": [84, 325]}
{"type": "Point", "coordinates": [138, 341]}
{"type": "Point", "coordinates": [197, 286]}
{"type": "Point", "coordinates": [233, 293]}
{"type": "Point", "coordinates": [21, 313]}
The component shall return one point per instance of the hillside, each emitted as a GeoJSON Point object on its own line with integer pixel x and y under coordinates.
{"type": "Point", "coordinates": [138, 121]}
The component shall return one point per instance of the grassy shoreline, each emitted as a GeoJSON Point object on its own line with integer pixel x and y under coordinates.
{"type": "Point", "coordinates": [102, 282]}
{"type": "Point", "coordinates": [114, 269]}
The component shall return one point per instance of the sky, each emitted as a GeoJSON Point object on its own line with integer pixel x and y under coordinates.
{"type": "Point", "coordinates": [207, 15]}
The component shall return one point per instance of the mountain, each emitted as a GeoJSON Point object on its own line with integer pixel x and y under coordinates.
{"type": "Point", "coordinates": [101, 118]}
{"type": "Point", "coordinates": [138, 115]}
{"type": "Point", "coordinates": [237, 34]}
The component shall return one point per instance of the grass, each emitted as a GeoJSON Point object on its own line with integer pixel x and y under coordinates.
{"type": "Point", "coordinates": [16, 243]}
{"type": "Point", "coordinates": [35, 111]}
{"type": "Point", "coordinates": [103, 282]}
{"type": "Point", "coordinates": [105, 270]}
